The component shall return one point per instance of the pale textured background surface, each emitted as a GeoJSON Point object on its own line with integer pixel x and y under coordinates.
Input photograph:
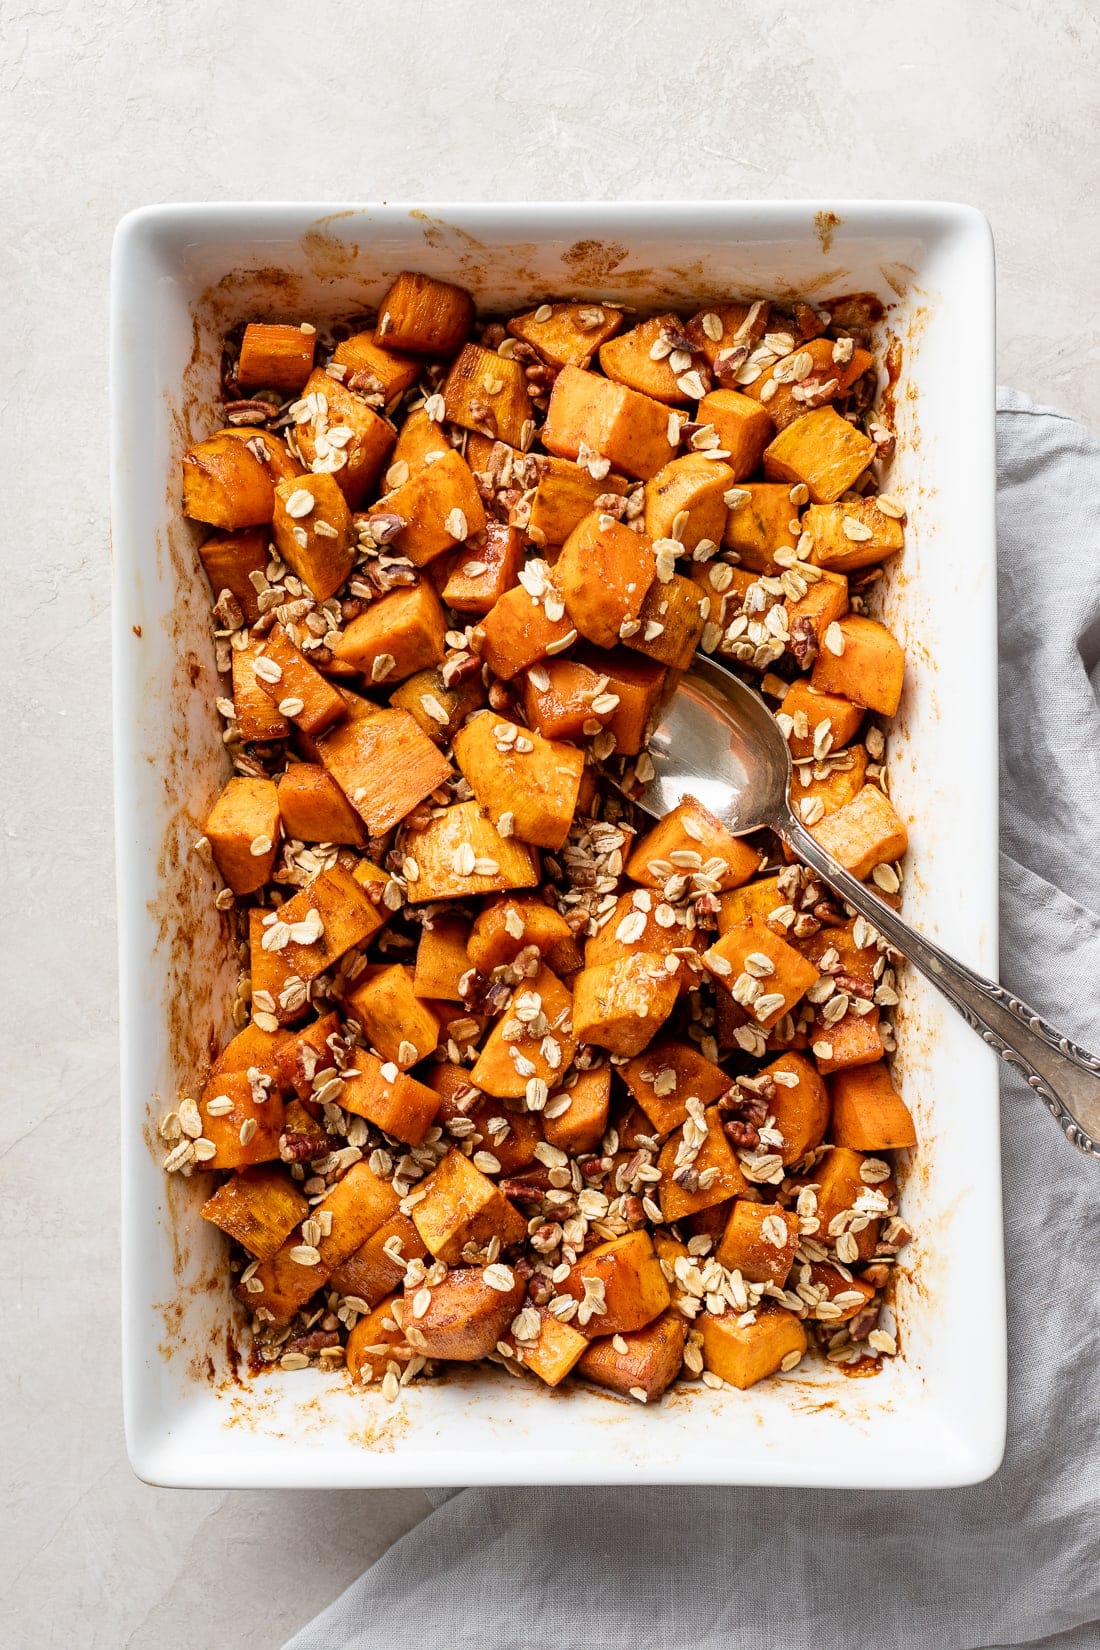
{"type": "Point", "coordinates": [105, 105]}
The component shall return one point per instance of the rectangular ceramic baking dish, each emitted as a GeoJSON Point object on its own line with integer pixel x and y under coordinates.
{"type": "Point", "coordinates": [181, 275]}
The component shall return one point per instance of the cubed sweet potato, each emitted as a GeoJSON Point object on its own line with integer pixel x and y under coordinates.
{"type": "Point", "coordinates": [759, 899]}
{"type": "Point", "coordinates": [558, 697]}
{"type": "Point", "coordinates": [271, 450]}
{"type": "Point", "coordinates": [487, 568]}
{"type": "Point", "coordinates": [849, 1295]}
{"type": "Point", "coordinates": [667, 1076]}
{"type": "Point", "coordinates": [340, 434]}
{"type": "Point", "coordinates": [384, 764]}
{"type": "Point", "coordinates": [357, 1204]}
{"type": "Point", "coordinates": [582, 1125]}
{"type": "Point", "coordinates": [566, 335]}
{"type": "Point", "coordinates": [402, 1027]}
{"type": "Point", "coordinates": [743, 1354]}
{"type": "Point", "coordinates": [634, 1289]}
{"type": "Point", "coordinates": [441, 958]}
{"type": "Point", "coordinates": [869, 668]}
{"type": "Point", "coordinates": [304, 1054]}
{"type": "Point", "coordinates": [717, 329]}
{"type": "Point", "coordinates": [246, 1130]}
{"type": "Point", "coordinates": [229, 558]}
{"type": "Point", "coordinates": [743, 428]}
{"type": "Point", "coordinates": [401, 633]}
{"type": "Point", "coordinates": [628, 429]}
{"type": "Point", "coordinates": [517, 633]}
{"type": "Point", "coordinates": [649, 1363]}
{"type": "Point", "coordinates": [252, 1046]}
{"type": "Point", "coordinates": [461, 1207]}
{"type": "Point", "coordinates": [377, 1343]}
{"type": "Point", "coordinates": [839, 786]}
{"type": "Point", "coordinates": [487, 392]}
{"type": "Point", "coordinates": [565, 494]}
{"type": "Point", "coordinates": [313, 533]}
{"type": "Point", "coordinates": [864, 833]}
{"type": "Point", "coordinates": [225, 484]}
{"type": "Point", "coordinates": [466, 1316]}
{"type": "Point", "coordinates": [603, 573]}
{"type": "Point", "coordinates": [554, 1352]}
{"type": "Point", "coordinates": [257, 717]}
{"type": "Point", "coordinates": [243, 831]}
{"type": "Point", "coordinates": [543, 1008]}
{"type": "Point", "coordinates": [688, 839]}
{"type": "Point", "coordinates": [371, 370]}
{"type": "Point", "coordinates": [869, 1114]}
{"type": "Point", "coordinates": [854, 1040]}
{"type": "Point", "coordinates": [638, 684]}
{"type": "Point", "coordinates": [424, 315]}
{"type": "Point", "coordinates": [685, 500]}
{"type": "Point", "coordinates": [759, 1241]}
{"type": "Point", "coordinates": [440, 507]}
{"type": "Point", "coordinates": [508, 925]}
{"type": "Point", "coordinates": [420, 440]}
{"type": "Point", "coordinates": [822, 450]}
{"type": "Point", "coordinates": [800, 1105]}
{"type": "Point", "coordinates": [372, 1271]}
{"type": "Point", "coordinates": [812, 614]}
{"type": "Point", "coordinates": [515, 770]}
{"type": "Point", "coordinates": [712, 1177]}
{"type": "Point", "coordinates": [299, 692]}
{"type": "Point", "coordinates": [635, 925]}
{"type": "Point", "coordinates": [671, 621]}
{"type": "Point", "coordinates": [751, 952]}
{"type": "Point", "coordinates": [760, 523]}
{"type": "Point", "coordinates": [622, 1005]}
{"type": "Point", "coordinates": [460, 853]}
{"type": "Point", "coordinates": [275, 357]}
{"type": "Point", "coordinates": [390, 1099]}
{"type": "Point", "coordinates": [817, 723]}
{"type": "Point", "coordinates": [314, 808]}
{"type": "Point", "coordinates": [629, 359]}
{"type": "Point", "coordinates": [333, 909]}
{"type": "Point", "coordinates": [510, 1136]}
{"type": "Point", "coordinates": [852, 535]}
{"type": "Point", "coordinates": [258, 1208]}
{"type": "Point", "coordinates": [840, 1186]}
{"type": "Point", "coordinates": [811, 376]}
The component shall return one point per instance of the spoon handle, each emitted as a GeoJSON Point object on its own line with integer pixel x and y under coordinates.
{"type": "Point", "coordinates": [1064, 1076]}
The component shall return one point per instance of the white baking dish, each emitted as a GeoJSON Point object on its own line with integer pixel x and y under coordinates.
{"type": "Point", "coordinates": [181, 275]}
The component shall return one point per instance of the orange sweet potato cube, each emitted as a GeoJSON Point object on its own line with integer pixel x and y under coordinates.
{"type": "Point", "coordinates": [852, 535]}
{"type": "Point", "coordinates": [840, 786]}
{"type": "Point", "coordinates": [461, 1207]}
{"type": "Point", "coordinates": [441, 958]}
{"type": "Point", "coordinates": [566, 335]}
{"type": "Point", "coordinates": [424, 315]}
{"type": "Point", "coordinates": [377, 1343]}
{"type": "Point", "coordinates": [634, 1287]}
{"type": "Point", "coordinates": [744, 1354]}
{"type": "Point", "coordinates": [252, 1047]}
{"type": "Point", "coordinates": [755, 899]}
{"type": "Point", "coordinates": [420, 441]}
{"type": "Point", "coordinates": [565, 494]}
{"type": "Point", "coordinates": [335, 909]}
{"type": "Point", "coordinates": [781, 974]}
{"type": "Point", "coordinates": [824, 603]}
{"type": "Point", "coordinates": [848, 1294]}
{"type": "Point", "coordinates": [509, 924]}
{"type": "Point", "coordinates": [487, 392]}
{"type": "Point", "coordinates": [372, 1271]}
{"type": "Point", "coordinates": [517, 633]}
{"type": "Point", "coordinates": [648, 1364]}
{"type": "Point", "coordinates": [554, 1352]}
{"type": "Point", "coordinates": [373, 371]}
{"type": "Point", "coordinates": [638, 684]}
{"type": "Point", "coordinates": [628, 429]}
{"type": "Point", "coordinates": [466, 1315]}
{"type": "Point", "coordinates": [394, 1019]}
{"type": "Point", "coordinates": [869, 668]}
{"type": "Point", "coordinates": [228, 559]}
{"type": "Point", "coordinates": [812, 719]}
{"type": "Point", "coordinates": [823, 451]}
{"type": "Point", "coordinates": [743, 427]}
{"type": "Point", "coordinates": [582, 1125]}
{"type": "Point", "coordinates": [558, 697]}
{"type": "Point", "coordinates": [401, 633]}
{"type": "Point", "coordinates": [313, 533]}
{"type": "Point", "coordinates": [621, 1005]}
{"type": "Point", "coordinates": [510, 1136]}
{"type": "Point", "coordinates": [241, 1128]}
{"type": "Point", "coordinates": [667, 1076]}
{"type": "Point", "coordinates": [315, 809]}
{"type": "Point", "coordinates": [711, 1178]}
{"type": "Point", "coordinates": [689, 839]}
{"type": "Point", "coordinates": [515, 770]}
{"type": "Point", "coordinates": [840, 1186]}
{"type": "Point", "coordinates": [487, 567]}
{"type": "Point", "coordinates": [355, 460]}
{"type": "Point", "coordinates": [299, 692]}
{"type": "Point", "coordinates": [716, 329]}
{"type": "Point", "coordinates": [437, 709]}
{"type": "Point", "coordinates": [440, 507]}
{"type": "Point", "coordinates": [385, 765]}
{"type": "Point", "coordinates": [628, 359]}
{"type": "Point", "coordinates": [390, 1099]}
{"type": "Point", "coordinates": [304, 1054]}
{"type": "Point", "coordinates": [439, 854]}
{"type": "Point", "coordinates": [275, 357]}
{"type": "Point", "coordinates": [868, 1113]}
{"type": "Point", "coordinates": [800, 1105]}
{"type": "Point", "coordinates": [854, 1040]}
{"type": "Point", "coordinates": [226, 485]}
{"type": "Point", "coordinates": [258, 1208]}
{"type": "Point", "coordinates": [671, 621]}
{"type": "Point", "coordinates": [858, 961]}
{"type": "Point", "coordinates": [271, 450]}
{"type": "Point", "coordinates": [242, 829]}
{"type": "Point", "coordinates": [603, 573]}
{"type": "Point", "coordinates": [810, 376]}
{"type": "Point", "coordinates": [759, 1241]}
{"type": "Point", "coordinates": [864, 833]}
{"type": "Point", "coordinates": [508, 1064]}
{"type": "Point", "coordinates": [686, 501]}
{"type": "Point", "coordinates": [760, 523]}
{"type": "Point", "coordinates": [253, 711]}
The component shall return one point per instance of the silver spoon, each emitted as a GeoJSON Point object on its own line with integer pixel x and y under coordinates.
{"type": "Point", "coordinates": [718, 742]}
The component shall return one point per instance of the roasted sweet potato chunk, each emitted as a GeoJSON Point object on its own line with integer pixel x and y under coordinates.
{"type": "Point", "coordinates": [743, 1354]}
{"type": "Point", "coordinates": [589, 413]}
{"type": "Point", "coordinates": [868, 1113]}
{"type": "Point", "coordinates": [852, 535]}
{"type": "Point", "coordinates": [622, 1005]}
{"type": "Point", "coordinates": [823, 451]}
{"type": "Point", "coordinates": [743, 428]}
{"type": "Point", "coordinates": [462, 1209]}
{"type": "Point", "coordinates": [514, 770]}
{"type": "Point", "coordinates": [225, 484]}
{"type": "Point", "coordinates": [438, 507]}
{"type": "Point", "coordinates": [671, 621]}
{"type": "Point", "coordinates": [396, 636]}
{"type": "Point", "coordinates": [691, 839]}
{"type": "Point", "coordinates": [487, 568]}
{"type": "Point", "coordinates": [390, 1099]}
{"type": "Point", "coordinates": [690, 1184]}
{"type": "Point", "coordinates": [761, 521]}
{"type": "Point", "coordinates": [460, 853]}
{"type": "Point", "coordinates": [519, 630]}
{"type": "Point", "coordinates": [314, 808]}
{"type": "Point", "coordinates": [241, 1119]}
{"type": "Point", "coordinates": [667, 1076]}
{"type": "Point", "coordinates": [374, 372]}
{"type": "Point", "coordinates": [242, 829]}
{"type": "Point", "coordinates": [384, 764]}
{"type": "Point", "coordinates": [275, 357]}
{"type": "Point", "coordinates": [624, 1278]}
{"type": "Point", "coordinates": [862, 661]}
{"type": "Point", "coordinates": [645, 1362]}
{"type": "Point", "coordinates": [532, 1043]}
{"type": "Point", "coordinates": [566, 335]}
{"type": "Point", "coordinates": [759, 1241]}
{"type": "Point", "coordinates": [865, 833]}
{"type": "Point", "coordinates": [424, 315]}
{"type": "Point", "coordinates": [685, 501]}
{"type": "Point", "coordinates": [312, 531]}
{"type": "Point", "coordinates": [487, 392]}
{"type": "Point", "coordinates": [603, 573]}
{"type": "Point", "coordinates": [340, 434]}
{"type": "Point", "coordinates": [466, 1316]}
{"type": "Point", "coordinates": [258, 1208]}
{"type": "Point", "coordinates": [565, 494]}
{"type": "Point", "coordinates": [398, 1023]}
{"type": "Point", "coordinates": [760, 970]}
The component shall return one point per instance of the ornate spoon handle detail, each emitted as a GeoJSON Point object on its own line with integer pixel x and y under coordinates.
{"type": "Point", "coordinates": [1064, 1076]}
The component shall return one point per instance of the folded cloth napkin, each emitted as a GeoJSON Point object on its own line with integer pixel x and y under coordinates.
{"type": "Point", "coordinates": [1014, 1561]}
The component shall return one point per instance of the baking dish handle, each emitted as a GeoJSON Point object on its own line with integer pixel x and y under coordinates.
{"type": "Point", "coordinates": [1064, 1076]}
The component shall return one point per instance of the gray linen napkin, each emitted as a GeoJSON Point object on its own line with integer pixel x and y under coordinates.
{"type": "Point", "coordinates": [1010, 1562]}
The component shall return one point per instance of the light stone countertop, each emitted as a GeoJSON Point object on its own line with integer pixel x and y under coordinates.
{"type": "Point", "coordinates": [107, 104]}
